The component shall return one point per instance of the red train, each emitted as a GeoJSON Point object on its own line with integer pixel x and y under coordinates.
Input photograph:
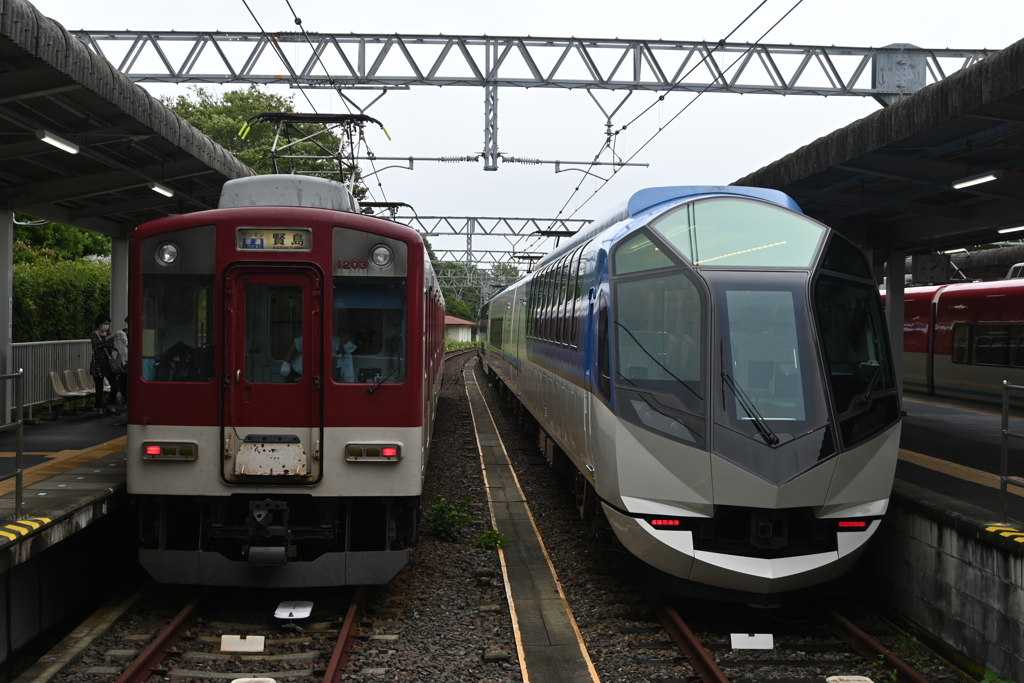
{"type": "Point", "coordinates": [963, 340]}
{"type": "Point", "coordinates": [286, 358]}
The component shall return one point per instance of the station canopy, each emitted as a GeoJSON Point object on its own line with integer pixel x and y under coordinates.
{"type": "Point", "coordinates": [939, 169]}
{"type": "Point", "coordinates": [131, 152]}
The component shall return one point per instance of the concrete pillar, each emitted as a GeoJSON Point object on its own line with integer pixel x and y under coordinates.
{"type": "Point", "coordinates": [7, 302]}
{"type": "Point", "coordinates": [118, 283]}
{"type": "Point", "coordinates": [894, 268]}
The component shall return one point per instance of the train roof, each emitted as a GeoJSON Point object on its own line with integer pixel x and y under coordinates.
{"type": "Point", "coordinates": [651, 197]}
{"type": "Point", "coordinates": [287, 190]}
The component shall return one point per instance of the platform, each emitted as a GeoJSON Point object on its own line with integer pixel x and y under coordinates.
{"type": "Point", "coordinates": [66, 546]}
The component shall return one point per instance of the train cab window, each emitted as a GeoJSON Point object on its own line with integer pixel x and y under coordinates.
{"type": "Point", "coordinates": [177, 328]}
{"type": "Point", "coordinates": [639, 253]}
{"type": "Point", "coordinates": [369, 334]}
{"type": "Point", "coordinates": [843, 256]}
{"type": "Point", "coordinates": [850, 323]}
{"type": "Point", "coordinates": [741, 232]}
{"type": "Point", "coordinates": [178, 333]}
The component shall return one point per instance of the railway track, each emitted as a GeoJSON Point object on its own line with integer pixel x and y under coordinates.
{"type": "Point", "coordinates": [809, 646]}
{"type": "Point", "coordinates": [191, 644]}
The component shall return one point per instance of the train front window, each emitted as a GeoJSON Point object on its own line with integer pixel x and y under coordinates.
{"type": "Point", "coordinates": [853, 334]}
{"type": "Point", "coordinates": [369, 330]}
{"type": "Point", "coordinates": [771, 385]}
{"type": "Point", "coordinates": [177, 328]}
{"type": "Point", "coordinates": [741, 232]}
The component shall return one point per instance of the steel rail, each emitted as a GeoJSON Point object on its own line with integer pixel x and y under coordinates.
{"type": "Point", "coordinates": [868, 647]}
{"type": "Point", "coordinates": [339, 658]}
{"type": "Point", "coordinates": [698, 657]}
{"type": "Point", "coordinates": [141, 669]}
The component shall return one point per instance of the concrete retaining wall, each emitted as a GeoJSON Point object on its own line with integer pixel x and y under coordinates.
{"type": "Point", "coordinates": [945, 566]}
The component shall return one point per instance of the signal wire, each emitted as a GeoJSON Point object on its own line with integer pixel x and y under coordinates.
{"type": "Point", "coordinates": [688, 105]}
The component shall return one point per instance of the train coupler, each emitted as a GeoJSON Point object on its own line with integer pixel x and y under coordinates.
{"type": "Point", "coordinates": [269, 535]}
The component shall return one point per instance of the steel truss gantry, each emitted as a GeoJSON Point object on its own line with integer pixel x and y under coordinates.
{"type": "Point", "coordinates": [489, 241]}
{"type": "Point", "coordinates": [399, 61]}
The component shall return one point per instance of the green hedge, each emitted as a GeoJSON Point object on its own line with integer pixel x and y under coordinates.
{"type": "Point", "coordinates": [59, 299]}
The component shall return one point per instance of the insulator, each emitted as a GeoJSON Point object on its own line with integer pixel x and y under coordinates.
{"type": "Point", "coordinates": [454, 160]}
{"type": "Point", "coordinates": [520, 160]}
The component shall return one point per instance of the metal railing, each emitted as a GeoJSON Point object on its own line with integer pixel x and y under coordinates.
{"type": "Point", "coordinates": [18, 426]}
{"type": "Point", "coordinates": [42, 358]}
{"type": "Point", "coordinates": [1004, 467]}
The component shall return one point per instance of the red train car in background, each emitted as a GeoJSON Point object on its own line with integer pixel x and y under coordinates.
{"type": "Point", "coordinates": [962, 340]}
{"type": "Point", "coordinates": [284, 375]}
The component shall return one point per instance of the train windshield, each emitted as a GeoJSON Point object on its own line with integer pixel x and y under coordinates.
{"type": "Point", "coordinates": [741, 232]}
{"type": "Point", "coordinates": [770, 381]}
{"type": "Point", "coordinates": [369, 330]}
{"type": "Point", "coordinates": [853, 335]}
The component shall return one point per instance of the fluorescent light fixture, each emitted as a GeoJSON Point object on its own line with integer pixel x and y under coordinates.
{"type": "Point", "coordinates": [160, 189]}
{"type": "Point", "coordinates": [976, 179]}
{"type": "Point", "coordinates": [1006, 230]}
{"type": "Point", "coordinates": [58, 142]}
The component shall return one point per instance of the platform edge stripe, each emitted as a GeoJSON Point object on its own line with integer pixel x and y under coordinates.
{"type": "Point", "coordinates": [31, 522]}
{"type": "Point", "coordinates": [21, 530]}
{"type": "Point", "coordinates": [8, 535]}
{"type": "Point", "coordinates": [44, 520]}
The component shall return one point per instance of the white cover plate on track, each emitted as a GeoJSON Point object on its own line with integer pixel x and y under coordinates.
{"type": "Point", "coordinates": [752, 641]}
{"type": "Point", "coordinates": [242, 643]}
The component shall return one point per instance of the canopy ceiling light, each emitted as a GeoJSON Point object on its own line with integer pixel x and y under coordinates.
{"type": "Point", "coordinates": [1006, 230]}
{"type": "Point", "coordinates": [976, 179]}
{"type": "Point", "coordinates": [57, 141]}
{"type": "Point", "coordinates": [160, 189]}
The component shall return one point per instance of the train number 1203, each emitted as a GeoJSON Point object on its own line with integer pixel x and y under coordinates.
{"type": "Point", "coordinates": [352, 265]}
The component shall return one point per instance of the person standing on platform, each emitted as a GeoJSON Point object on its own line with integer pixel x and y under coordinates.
{"type": "Point", "coordinates": [102, 345]}
{"type": "Point", "coordinates": [121, 348]}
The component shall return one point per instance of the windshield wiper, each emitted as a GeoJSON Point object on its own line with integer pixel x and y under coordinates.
{"type": "Point", "coordinates": [376, 386]}
{"type": "Point", "coordinates": [759, 422]}
{"type": "Point", "coordinates": [671, 374]}
{"type": "Point", "coordinates": [866, 396]}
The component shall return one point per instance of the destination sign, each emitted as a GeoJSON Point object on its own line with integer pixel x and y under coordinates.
{"type": "Point", "coordinates": [274, 239]}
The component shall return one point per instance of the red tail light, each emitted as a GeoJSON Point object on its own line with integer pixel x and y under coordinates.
{"type": "Point", "coordinates": [853, 525]}
{"type": "Point", "coordinates": [388, 452]}
{"type": "Point", "coordinates": [152, 450]}
{"type": "Point", "coordinates": [664, 522]}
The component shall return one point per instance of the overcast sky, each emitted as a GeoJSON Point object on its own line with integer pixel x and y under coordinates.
{"type": "Point", "coordinates": [719, 139]}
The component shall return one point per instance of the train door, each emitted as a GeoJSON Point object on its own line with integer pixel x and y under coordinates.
{"type": "Point", "coordinates": [273, 375]}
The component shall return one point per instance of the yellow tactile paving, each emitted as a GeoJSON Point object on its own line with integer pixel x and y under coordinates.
{"type": "Point", "coordinates": [63, 461]}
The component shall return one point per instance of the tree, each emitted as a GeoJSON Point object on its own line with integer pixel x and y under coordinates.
{"type": "Point", "coordinates": [503, 274]}
{"type": "Point", "coordinates": [55, 242]}
{"type": "Point", "coordinates": [221, 119]}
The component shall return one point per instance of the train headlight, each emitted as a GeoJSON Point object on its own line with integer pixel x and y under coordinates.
{"type": "Point", "coordinates": [167, 253]}
{"type": "Point", "coordinates": [381, 256]}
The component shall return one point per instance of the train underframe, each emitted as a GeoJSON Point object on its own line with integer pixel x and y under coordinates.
{"type": "Point", "coordinates": [282, 540]}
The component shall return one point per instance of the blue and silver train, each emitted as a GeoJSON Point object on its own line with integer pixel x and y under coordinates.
{"type": "Point", "coordinates": [715, 367]}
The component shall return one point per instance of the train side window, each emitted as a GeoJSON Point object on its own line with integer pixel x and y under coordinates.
{"type": "Point", "coordinates": [570, 297]}
{"type": "Point", "coordinates": [580, 306]}
{"type": "Point", "coordinates": [604, 366]}
{"type": "Point", "coordinates": [961, 339]}
{"type": "Point", "coordinates": [563, 296]}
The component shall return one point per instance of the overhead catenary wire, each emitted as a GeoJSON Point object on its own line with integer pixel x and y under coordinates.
{"type": "Point", "coordinates": [362, 138]}
{"type": "Point", "coordinates": [687, 106]}
{"type": "Point", "coordinates": [661, 98]}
